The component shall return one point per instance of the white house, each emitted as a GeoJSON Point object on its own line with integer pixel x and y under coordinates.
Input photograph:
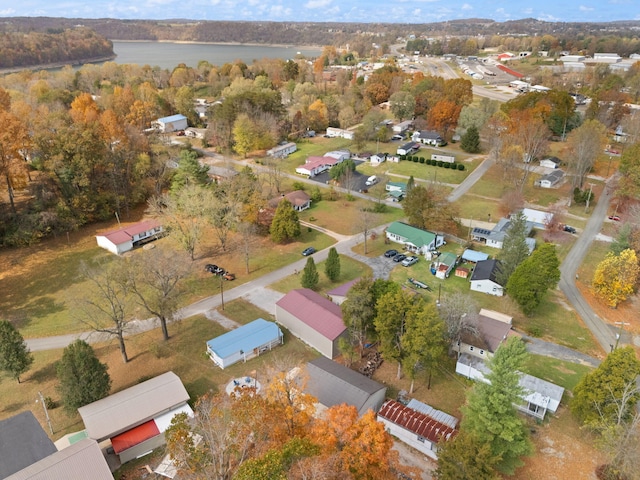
{"type": "Point", "coordinates": [299, 200]}
{"type": "Point", "coordinates": [316, 165]}
{"type": "Point", "coordinates": [550, 180]}
{"type": "Point", "coordinates": [244, 343]}
{"type": "Point", "coordinates": [378, 158]}
{"type": "Point", "coordinates": [170, 124]}
{"type": "Point", "coordinates": [483, 278]}
{"type": "Point", "coordinates": [414, 239]}
{"type": "Point", "coordinates": [400, 128]}
{"type": "Point", "coordinates": [195, 132]}
{"type": "Point", "coordinates": [495, 238]}
{"type": "Point", "coordinates": [282, 151]}
{"type": "Point", "coordinates": [415, 428]}
{"type": "Point", "coordinates": [538, 218]}
{"type": "Point", "coordinates": [408, 148]}
{"type": "Point", "coordinates": [339, 133]}
{"type": "Point", "coordinates": [340, 155]}
{"type": "Point", "coordinates": [125, 239]}
{"type": "Point", "coordinates": [550, 162]}
{"type": "Point", "coordinates": [428, 137]}
{"type": "Point", "coordinates": [492, 328]}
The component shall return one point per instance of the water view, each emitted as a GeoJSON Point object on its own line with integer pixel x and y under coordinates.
{"type": "Point", "coordinates": [168, 55]}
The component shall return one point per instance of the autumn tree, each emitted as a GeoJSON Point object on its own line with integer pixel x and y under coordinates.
{"type": "Point", "coordinates": [490, 415]}
{"type": "Point", "coordinates": [459, 313]}
{"type": "Point", "coordinates": [616, 276]}
{"type": "Point", "coordinates": [629, 183]}
{"type": "Point", "coordinates": [310, 277]}
{"type": "Point", "coordinates": [514, 248]}
{"type": "Point", "coordinates": [285, 225]}
{"type": "Point", "coordinates": [443, 117]}
{"type": "Point", "coordinates": [13, 138]}
{"type": "Point", "coordinates": [15, 357]}
{"type": "Point", "coordinates": [536, 275]}
{"type": "Point", "coordinates": [597, 396]}
{"type": "Point", "coordinates": [427, 207]}
{"type": "Point", "coordinates": [392, 311]}
{"type": "Point", "coordinates": [82, 377]}
{"type": "Point", "coordinates": [155, 279]}
{"type": "Point", "coordinates": [402, 104]}
{"type": "Point", "coordinates": [585, 144]}
{"type": "Point", "coordinates": [332, 265]}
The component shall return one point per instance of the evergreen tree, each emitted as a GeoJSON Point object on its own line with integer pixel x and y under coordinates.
{"type": "Point", "coordinates": [285, 224]}
{"type": "Point", "coordinates": [596, 398]}
{"type": "Point", "coordinates": [310, 277]}
{"type": "Point", "coordinates": [189, 171]}
{"type": "Point", "coordinates": [514, 248]}
{"type": "Point", "coordinates": [490, 415]}
{"type": "Point", "coordinates": [410, 184]}
{"type": "Point", "coordinates": [332, 265]}
{"type": "Point", "coordinates": [15, 358]}
{"type": "Point", "coordinates": [464, 457]}
{"type": "Point", "coordinates": [470, 141]}
{"type": "Point", "coordinates": [83, 378]}
{"type": "Point", "coordinates": [534, 277]}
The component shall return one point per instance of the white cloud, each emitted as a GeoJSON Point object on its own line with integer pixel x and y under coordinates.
{"type": "Point", "coordinates": [466, 6]}
{"type": "Point", "coordinates": [318, 3]}
{"type": "Point", "coordinates": [584, 8]}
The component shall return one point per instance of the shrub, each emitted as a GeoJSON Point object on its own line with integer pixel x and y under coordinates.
{"type": "Point", "coordinates": [379, 207]}
{"type": "Point", "coordinates": [447, 165]}
{"type": "Point", "coordinates": [403, 157]}
{"type": "Point", "coordinates": [439, 163]}
{"type": "Point", "coordinates": [535, 331]}
{"type": "Point", "coordinates": [298, 186]}
{"type": "Point", "coordinates": [415, 159]}
{"type": "Point", "coordinates": [460, 167]}
{"type": "Point", "coordinates": [421, 159]}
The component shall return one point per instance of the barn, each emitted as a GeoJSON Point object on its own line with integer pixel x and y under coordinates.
{"type": "Point", "coordinates": [124, 239]}
{"type": "Point", "coordinates": [244, 343]}
{"type": "Point", "coordinates": [172, 123]}
{"type": "Point", "coordinates": [135, 419]}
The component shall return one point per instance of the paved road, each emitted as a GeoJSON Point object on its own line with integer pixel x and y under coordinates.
{"type": "Point", "coordinates": [602, 332]}
{"type": "Point", "coordinates": [471, 179]}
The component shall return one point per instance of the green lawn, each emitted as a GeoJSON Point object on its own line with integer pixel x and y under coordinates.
{"type": "Point", "coordinates": [564, 374]}
{"type": "Point", "coordinates": [478, 208]}
{"type": "Point", "coordinates": [350, 269]}
{"type": "Point", "coordinates": [243, 311]}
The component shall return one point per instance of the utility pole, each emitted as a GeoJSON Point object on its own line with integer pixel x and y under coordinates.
{"type": "Point", "coordinates": [46, 412]}
{"type": "Point", "coordinates": [586, 208]}
{"type": "Point", "coordinates": [222, 291]}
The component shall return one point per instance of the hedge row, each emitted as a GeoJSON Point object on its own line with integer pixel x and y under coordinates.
{"type": "Point", "coordinates": [435, 163]}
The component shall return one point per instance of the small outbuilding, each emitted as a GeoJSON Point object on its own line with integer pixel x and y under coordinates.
{"type": "Point", "coordinates": [314, 319]}
{"type": "Point", "coordinates": [172, 123]}
{"type": "Point", "coordinates": [124, 239]}
{"type": "Point", "coordinates": [550, 162]}
{"type": "Point", "coordinates": [339, 294]}
{"type": "Point", "coordinates": [333, 384]}
{"type": "Point", "coordinates": [135, 419]}
{"type": "Point", "coordinates": [550, 180]}
{"type": "Point", "coordinates": [244, 343]}
{"type": "Point", "coordinates": [415, 428]}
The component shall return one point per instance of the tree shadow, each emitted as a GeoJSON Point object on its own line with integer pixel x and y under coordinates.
{"type": "Point", "coordinates": [48, 372]}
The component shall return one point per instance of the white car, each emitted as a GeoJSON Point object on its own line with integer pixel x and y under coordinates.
{"type": "Point", "coordinates": [407, 262]}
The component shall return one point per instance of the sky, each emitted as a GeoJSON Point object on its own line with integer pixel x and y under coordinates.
{"type": "Point", "coordinates": [382, 11]}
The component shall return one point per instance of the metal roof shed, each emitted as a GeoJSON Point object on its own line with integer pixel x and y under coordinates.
{"type": "Point", "coordinates": [473, 256]}
{"type": "Point", "coordinates": [244, 343]}
{"type": "Point", "coordinates": [134, 406]}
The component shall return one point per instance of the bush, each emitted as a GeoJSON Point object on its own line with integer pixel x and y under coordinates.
{"type": "Point", "coordinates": [535, 331]}
{"type": "Point", "coordinates": [298, 186]}
{"type": "Point", "coordinates": [447, 165]}
{"type": "Point", "coordinates": [439, 163]}
{"type": "Point", "coordinates": [379, 207]}
{"type": "Point", "coordinates": [421, 159]}
{"type": "Point", "coordinates": [415, 159]}
{"type": "Point", "coordinates": [460, 167]}
{"type": "Point", "coordinates": [403, 157]}
{"type": "Point", "coordinates": [50, 403]}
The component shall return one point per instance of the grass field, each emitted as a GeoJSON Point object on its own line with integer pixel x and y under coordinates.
{"type": "Point", "coordinates": [564, 374]}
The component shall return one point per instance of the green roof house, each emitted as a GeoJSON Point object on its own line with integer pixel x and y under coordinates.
{"type": "Point", "coordinates": [414, 239]}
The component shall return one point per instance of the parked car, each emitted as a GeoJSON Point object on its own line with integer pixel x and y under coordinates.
{"type": "Point", "coordinates": [229, 276]}
{"type": "Point", "coordinates": [399, 257]}
{"type": "Point", "coordinates": [308, 251]}
{"type": "Point", "coordinates": [391, 253]}
{"type": "Point", "coordinates": [372, 180]}
{"type": "Point", "coordinates": [407, 262]}
{"type": "Point", "coordinates": [569, 228]}
{"type": "Point", "coordinates": [211, 268]}
{"type": "Point", "coordinates": [615, 218]}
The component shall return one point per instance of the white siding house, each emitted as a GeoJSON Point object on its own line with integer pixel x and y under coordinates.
{"type": "Point", "coordinates": [125, 239]}
{"type": "Point", "coordinates": [282, 151]}
{"type": "Point", "coordinates": [483, 278]}
{"type": "Point", "coordinates": [172, 123]}
{"type": "Point", "coordinates": [414, 239]}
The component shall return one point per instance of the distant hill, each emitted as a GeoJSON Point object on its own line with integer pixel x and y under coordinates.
{"type": "Point", "coordinates": [52, 47]}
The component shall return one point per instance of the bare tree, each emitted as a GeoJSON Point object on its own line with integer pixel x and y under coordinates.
{"type": "Point", "coordinates": [222, 213]}
{"type": "Point", "coordinates": [274, 174]}
{"type": "Point", "coordinates": [108, 307]}
{"type": "Point", "coordinates": [366, 221]}
{"type": "Point", "coordinates": [247, 233]}
{"type": "Point", "coordinates": [155, 279]}
{"type": "Point", "coordinates": [459, 312]}
{"type": "Point", "coordinates": [585, 144]}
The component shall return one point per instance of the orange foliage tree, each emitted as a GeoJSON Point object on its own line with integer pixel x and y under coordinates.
{"type": "Point", "coordinates": [443, 117]}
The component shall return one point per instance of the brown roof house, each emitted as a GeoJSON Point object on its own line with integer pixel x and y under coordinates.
{"type": "Point", "coordinates": [312, 318]}
{"type": "Point", "coordinates": [492, 327]}
{"type": "Point", "coordinates": [420, 430]}
{"type": "Point", "coordinates": [299, 199]}
{"type": "Point", "coordinates": [135, 419]}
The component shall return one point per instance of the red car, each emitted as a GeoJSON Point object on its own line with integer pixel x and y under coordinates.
{"type": "Point", "coordinates": [615, 218]}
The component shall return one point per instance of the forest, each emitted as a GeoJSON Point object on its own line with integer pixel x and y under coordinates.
{"type": "Point", "coordinates": [68, 46]}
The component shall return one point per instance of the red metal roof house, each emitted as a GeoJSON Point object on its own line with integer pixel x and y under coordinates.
{"type": "Point", "coordinates": [125, 239]}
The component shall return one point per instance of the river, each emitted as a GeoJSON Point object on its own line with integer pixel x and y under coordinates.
{"type": "Point", "coordinates": [168, 55]}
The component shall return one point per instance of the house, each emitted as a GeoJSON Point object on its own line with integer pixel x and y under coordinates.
{"type": "Point", "coordinates": [408, 148]}
{"type": "Point", "coordinates": [136, 418]}
{"type": "Point", "coordinates": [195, 132]}
{"type": "Point", "coordinates": [340, 155]}
{"type": "Point", "coordinates": [79, 461]}
{"type": "Point", "coordinates": [171, 124]}
{"type": "Point", "coordinates": [428, 137]}
{"type": "Point", "coordinates": [127, 238]}
{"type": "Point", "coordinates": [414, 239]}
{"type": "Point", "coordinates": [220, 174]}
{"type": "Point", "coordinates": [538, 218]}
{"type": "Point", "coordinates": [551, 179]}
{"type": "Point", "coordinates": [244, 343]}
{"type": "Point", "coordinates": [483, 278]}
{"type": "Point", "coordinates": [316, 165]}
{"type": "Point", "coordinates": [299, 199]}
{"type": "Point", "coordinates": [339, 133]}
{"type": "Point", "coordinates": [378, 158]}
{"type": "Point", "coordinates": [282, 151]}
{"type": "Point", "coordinates": [314, 319]}
{"type": "Point", "coordinates": [444, 264]}
{"type": "Point", "coordinates": [417, 429]}
{"type": "Point", "coordinates": [396, 190]}
{"type": "Point", "coordinates": [23, 442]}
{"type": "Point", "coordinates": [400, 128]}
{"type": "Point", "coordinates": [495, 238]}
{"type": "Point", "coordinates": [492, 329]}
{"type": "Point", "coordinates": [339, 294]}
{"type": "Point", "coordinates": [334, 384]}
{"type": "Point", "coordinates": [538, 397]}
{"type": "Point", "coordinates": [550, 162]}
